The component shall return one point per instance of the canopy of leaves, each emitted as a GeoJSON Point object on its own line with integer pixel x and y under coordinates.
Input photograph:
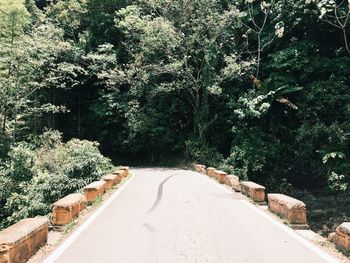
{"type": "Point", "coordinates": [260, 88]}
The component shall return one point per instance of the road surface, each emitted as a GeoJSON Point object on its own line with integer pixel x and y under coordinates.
{"type": "Point", "coordinates": [172, 215]}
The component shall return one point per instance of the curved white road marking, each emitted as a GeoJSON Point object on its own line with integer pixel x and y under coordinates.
{"type": "Point", "coordinates": [318, 251]}
{"type": "Point", "coordinates": [322, 254]}
{"type": "Point", "coordinates": [58, 252]}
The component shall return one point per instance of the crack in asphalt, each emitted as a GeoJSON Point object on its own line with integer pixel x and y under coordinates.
{"type": "Point", "coordinates": [160, 192]}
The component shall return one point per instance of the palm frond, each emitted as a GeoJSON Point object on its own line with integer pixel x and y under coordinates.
{"type": "Point", "coordinates": [287, 89]}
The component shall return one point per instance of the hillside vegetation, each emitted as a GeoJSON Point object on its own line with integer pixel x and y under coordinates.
{"type": "Point", "coordinates": [257, 88]}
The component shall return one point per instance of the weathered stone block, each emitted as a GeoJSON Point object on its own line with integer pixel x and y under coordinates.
{"type": "Point", "coordinates": [120, 174]}
{"type": "Point", "coordinates": [21, 240]}
{"type": "Point", "coordinates": [111, 180]}
{"type": "Point", "coordinates": [253, 190]}
{"type": "Point", "coordinates": [342, 237]}
{"type": "Point", "coordinates": [67, 208]}
{"type": "Point", "coordinates": [200, 168]}
{"type": "Point", "coordinates": [233, 182]}
{"type": "Point", "coordinates": [94, 190]}
{"type": "Point", "coordinates": [220, 176]}
{"type": "Point", "coordinates": [288, 207]}
{"type": "Point", "coordinates": [210, 171]}
{"type": "Point", "coordinates": [125, 169]}
{"type": "Point", "coordinates": [123, 172]}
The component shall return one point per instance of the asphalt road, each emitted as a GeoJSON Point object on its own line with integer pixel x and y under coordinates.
{"type": "Point", "coordinates": [171, 215]}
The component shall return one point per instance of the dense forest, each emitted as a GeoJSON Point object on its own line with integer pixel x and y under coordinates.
{"type": "Point", "coordinates": [260, 89]}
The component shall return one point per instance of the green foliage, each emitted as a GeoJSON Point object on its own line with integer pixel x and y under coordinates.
{"type": "Point", "coordinates": [22, 160]}
{"type": "Point", "coordinates": [157, 78]}
{"type": "Point", "coordinates": [177, 61]}
{"type": "Point", "coordinates": [202, 153]}
{"type": "Point", "coordinates": [28, 50]}
{"type": "Point", "coordinates": [36, 177]}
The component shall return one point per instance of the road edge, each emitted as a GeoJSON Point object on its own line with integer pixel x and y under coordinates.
{"type": "Point", "coordinates": [57, 252]}
{"type": "Point", "coordinates": [320, 251]}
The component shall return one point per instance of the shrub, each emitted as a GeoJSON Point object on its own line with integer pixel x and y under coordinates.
{"type": "Point", "coordinates": [41, 172]}
{"type": "Point", "coordinates": [202, 153]}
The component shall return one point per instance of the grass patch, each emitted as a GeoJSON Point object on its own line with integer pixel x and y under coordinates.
{"type": "Point", "coordinates": [98, 200]}
{"type": "Point", "coordinates": [70, 226]}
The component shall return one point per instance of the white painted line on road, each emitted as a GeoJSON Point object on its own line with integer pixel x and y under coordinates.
{"type": "Point", "coordinates": [318, 251]}
{"type": "Point", "coordinates": [58, 252]}
{"type": "Point", "coordinates": [292, 233]}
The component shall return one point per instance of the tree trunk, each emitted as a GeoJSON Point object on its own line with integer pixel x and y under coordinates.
{"type": "Point", "coordinates": [200, 118]}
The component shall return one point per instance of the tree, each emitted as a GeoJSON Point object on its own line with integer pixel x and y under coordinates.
{"type": "Point", "coordinates": [337, 14]}
{"type": "Point", "coordinates": [23, 56]}
{"type": "Point", "coordinates": [180, 49]}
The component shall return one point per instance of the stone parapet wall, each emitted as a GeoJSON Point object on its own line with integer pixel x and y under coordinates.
{"type": "Point", "coordinates": [341, 237]}
{"type": "Point", "coordinates": [253, 190]}
{"type": "Point", "coordinates": [287, 207]}
{"type": "Point", "coordinates": [200, 168]}
{"type": "Point", "coordinates": [20, 241]}
{"type": "Point", "coordinates": [94, 190]}
{"type": "Point", "coordinates": [66, 209]}
{"type": "Point", "coordinates": [233, 182]}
